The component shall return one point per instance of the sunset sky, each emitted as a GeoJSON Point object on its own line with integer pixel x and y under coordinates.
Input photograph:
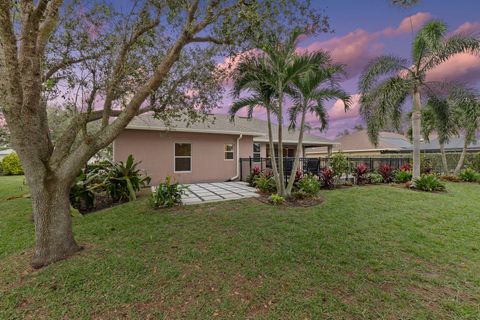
{"type": "Point", "coordinates": [366, 29]}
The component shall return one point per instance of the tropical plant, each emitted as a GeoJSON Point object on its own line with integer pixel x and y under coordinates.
{"type": "Point", "coordinates": [309, 91]}
{"type": "Point", "coordinates": [402, 176]}
{"type": "Point", "coordinates": [406, 167]}
{"type": "Point", "coordinates": [253, 76]}
{"type": "Point", "coordinates": [327, 178]}
{"type": "Point", "coordinates": [387, 81]}
{"type": "Point", "coordinates": [428, 182]}
{"type": "Point", "coordinates": [426, 166]}
{"type": "Point", "coordinates": [469, 175]}
{"type": "Point", "coordinates": [123, 180]}
{"type": "Point", "coordinates": [276, 199]}
{"type": "Point", "coordinates": [360, 173]}
{"type": "Point", "coordinates": [167, 194]}
{"type": "Point", "coordinates": [82, 195]}
{"type": "Point", "coordinates": [309, 184]}
{"type": "Point", "coordinates": [265, 183]}
{"type": "Point", "coordinates": [252, 177]}
{"type": "Point", "coordinates": [340, 165]}
{"type": "Point", "coordinates": [386, 171]}
{"type": "Point", "coordinates": [374, 178]}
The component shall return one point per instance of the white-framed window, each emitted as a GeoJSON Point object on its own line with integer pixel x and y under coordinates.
{"type": "Point", "coordinates": [183, 157]}
{"type": "Point", "coordinates": [256, 151]}
{"type": "Point", "coordinates": [228, 151]}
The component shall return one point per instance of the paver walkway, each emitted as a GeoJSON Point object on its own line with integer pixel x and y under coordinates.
{"type": "Point", "coordinates": [217, 191]}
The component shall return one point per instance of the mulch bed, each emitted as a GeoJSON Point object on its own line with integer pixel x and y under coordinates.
{"type": "Point", "coordinates": [292, 202]}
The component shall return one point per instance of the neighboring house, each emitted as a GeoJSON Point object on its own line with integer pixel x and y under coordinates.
{"type": "Point", "coordinates": [204, 151]}
{"type": "Point", "coordinates": [4, 153]}
{"type": "Point", "coordinates": [454, 145]}
{"type": "Point", "coordinates": [358, 144]}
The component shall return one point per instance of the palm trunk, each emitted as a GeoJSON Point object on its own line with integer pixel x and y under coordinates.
{"type": "Point", "coordinates": [416, 132]}
{"type": "Point", "coordinates": [281, 191]}
{"type": "Point", "coordinates": [462, 158]}
{"type": "Point", "coordinates": [272, 151]}
{"type": "Point", "coordinates": [444, 159]}
{"type": "Point", "coordinates": [288, 192]}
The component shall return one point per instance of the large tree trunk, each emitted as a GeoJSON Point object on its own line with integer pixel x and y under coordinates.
{"type": "Point", "coordinates": [53, 222]}
{"type": "Point", "coordinates": [416, 133]}
{"type": "Point", "coordinates": [444, 159]}
{"type": "Point", "coordinates": [462, 158]}
{"type": "Point", "coordinates": [291, 180]}
{"type": "Point", "coordinates": [272, 150]}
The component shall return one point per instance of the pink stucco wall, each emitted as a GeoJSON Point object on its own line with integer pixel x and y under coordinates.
{"type": "Point", "coordinates": [156, 151]}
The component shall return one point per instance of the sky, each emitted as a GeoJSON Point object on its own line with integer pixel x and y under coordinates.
{"type": "Point", "coordinates": [365, 29]}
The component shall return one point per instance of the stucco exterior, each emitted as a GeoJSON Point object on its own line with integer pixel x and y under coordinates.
{"type": "Point", "coordinates": [155, 150]}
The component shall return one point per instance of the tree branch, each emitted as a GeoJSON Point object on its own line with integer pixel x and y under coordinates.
{"type": "Point", "coordinates": [66, 63]}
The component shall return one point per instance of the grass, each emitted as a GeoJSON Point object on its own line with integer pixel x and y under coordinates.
{"type": "Point", "coordinates": [374, 252]}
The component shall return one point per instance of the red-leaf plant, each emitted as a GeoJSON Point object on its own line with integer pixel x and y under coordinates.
{"type": "Point", "coordinates": [360, 172]}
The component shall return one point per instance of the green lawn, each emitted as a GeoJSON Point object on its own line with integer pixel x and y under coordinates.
{"type": "Point", "coordinates": [365, 253]}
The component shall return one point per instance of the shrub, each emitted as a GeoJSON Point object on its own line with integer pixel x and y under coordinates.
{"type": "Point", "coordinates": [360, 173]}
{"type": "Point", "coordinates": [402, 176]}
{"type": "Point", "coordinates": [406, 167]}
{"type": "Point", "coordinates": [428, 182]}
{"type": "Point", "coordinates": [386, 171]}
{"type": "Point", "coordinates": [82, 195]}
{"type": "Point", "coordinates": [276, 199]}
{"type": "Point", "coordinates": [469, 175]}
{"type": "Point", "coordinates": [426, 165]}
{"type": "Point", "coordinates": [252, 177]}
{"type": "Point", "coordinates": [374, 178]}
{"type": "Point", "coordinates": [298, 177]}
{"type": "Point", "coordinates": [124, 180]}
{"type": "Point", "coordinates": [265, 183]}
{"type": "Point", "coordinates": [300, 195]}
{"type": "Point", "coordinates": [327, 178]}
{"type": "Point", "coordinates": [11, 165]}
{"type": "Point", "coordinates": [340, 165]}
{"type": "Point", "coordinates": [309, 184]}
{"type": "Point", "coordinates": [167, 194]}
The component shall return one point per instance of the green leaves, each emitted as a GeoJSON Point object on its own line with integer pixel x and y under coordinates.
{"type": "Point", "coordinates": [382, 66]}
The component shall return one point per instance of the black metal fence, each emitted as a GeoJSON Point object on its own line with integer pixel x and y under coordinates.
{"type": "Point", "coordinates": [314, 165]}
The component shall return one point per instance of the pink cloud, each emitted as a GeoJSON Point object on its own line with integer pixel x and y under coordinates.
{"type": "Point", "coordinates": [412, 22]}
{"type": "Point", "coordinates": [468, 28]}
{"type": "Point", "coordinates": [462, 67]}
{"type": "Point", "coordinates": [337, 112]}
{"type": "Point", "coordinates": [354, 49]}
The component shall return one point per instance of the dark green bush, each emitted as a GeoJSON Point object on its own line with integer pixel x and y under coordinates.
{"type": "Point", "coordinates": [124, 180]}
{"type": "Point", "coordinates": [11, 165]}
{"type": "Point", "coordinates": [265, 183]}
{"type": "Point", "coordinates": [374, 178]}
{"type": "Point", "coordinates": [428, 182]}
{"type": "Point", "coordinates": [309, 184]}
{"type": "Point", "coordinates": [469, 175]}
{"type": "Point", "coordinates": [402, 176]}
{"type": "Point", "coordinates": [167, 194]}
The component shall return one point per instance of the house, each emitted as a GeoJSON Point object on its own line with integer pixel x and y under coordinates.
{"type": "Point", "coordinates": [5, 152]}
{"type": "Point", "coordinates": [358, 144]}
{"type": "Point", "coordinates": [203, 151]}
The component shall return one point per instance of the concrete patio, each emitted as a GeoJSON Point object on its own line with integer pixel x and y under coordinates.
{"type": "Point", "coordinates": [217, 191]}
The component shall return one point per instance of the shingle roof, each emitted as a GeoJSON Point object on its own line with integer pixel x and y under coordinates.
{"type": "Point", "coordinates": [454, 144]}
{"type": "Point", "coordinates": [359, 141]}
{"type": "Point", "coordinates": [221, 124]}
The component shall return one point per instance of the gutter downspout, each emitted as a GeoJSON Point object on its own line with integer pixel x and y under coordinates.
{"type": "Point", "coordinates": [238, 158]}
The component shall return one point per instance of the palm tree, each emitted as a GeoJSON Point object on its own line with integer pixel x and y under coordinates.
{"type": "Point", "coordinates": [388, 81]}
{"type": "Point", "coordinates": [440, 116]}
{"type": "Point", "coordinates": [469, 117]}
{"type": "Point", "coordinates": [252, 76]}
{"type": "Point", "coordinates": [309, 91]}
